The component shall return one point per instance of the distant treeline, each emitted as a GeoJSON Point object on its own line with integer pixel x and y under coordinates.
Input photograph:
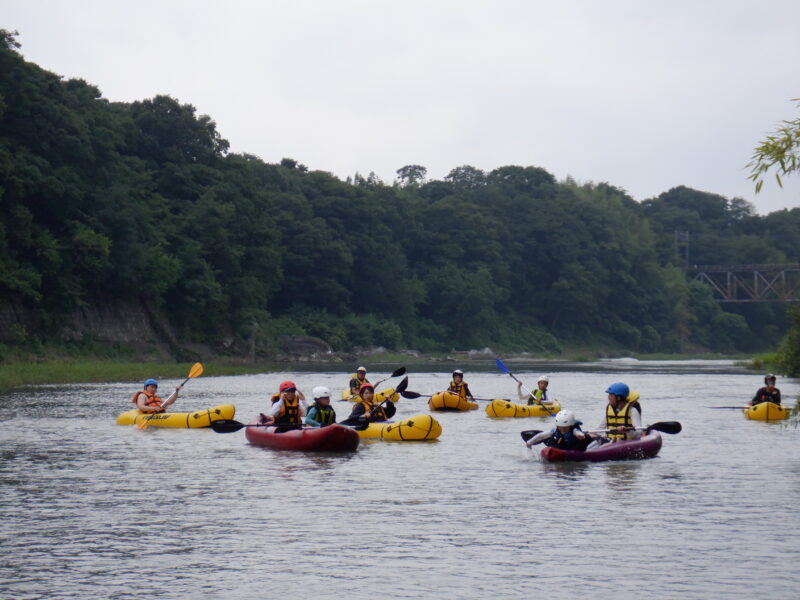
{"type": "Point", "coordinates": [104, 200]}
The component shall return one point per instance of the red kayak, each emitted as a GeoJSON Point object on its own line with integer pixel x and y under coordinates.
{"type": "Point", "coordinates": [333, 438]}
{"type": "Point", "coordinates": [645, 447]}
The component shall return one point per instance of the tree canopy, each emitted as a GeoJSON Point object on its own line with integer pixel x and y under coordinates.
{"type": "Point", "coordinates": [142, 200]}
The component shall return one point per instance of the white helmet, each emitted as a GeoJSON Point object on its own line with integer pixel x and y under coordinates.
{"type": "Point", "coordinates": [321, 392]}
{"type": "Point", "coordinates": [544, 378]}
{"type": "Point", "coordinates": [565, 418]}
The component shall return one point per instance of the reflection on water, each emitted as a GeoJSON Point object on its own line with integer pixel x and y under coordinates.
{"type": "Point", "coordinates": [93, 510]}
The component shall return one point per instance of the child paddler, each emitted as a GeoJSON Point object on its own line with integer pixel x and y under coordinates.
{"type": "Point", "coordinates": [321, 413]}
{"type": "Point", "coordinates": [367, 411]}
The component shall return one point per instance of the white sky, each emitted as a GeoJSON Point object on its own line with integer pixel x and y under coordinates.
{"type": "Point", "coordinates": [642, 94]}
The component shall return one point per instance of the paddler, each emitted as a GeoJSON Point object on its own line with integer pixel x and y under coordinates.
{"type": "Point", "coordinates": [566, 435]}
{"type": "Point", "coordinates": [288, 405]}
{"type": "Point", "coordinates": [147, 401]}
{"type": "Point", "coordinates": [321, 413]}
{"type": "Point", "coordinates": [459, 386]}
{"type": "Point", "coordinates": [623, 416]}
{"type": "Point", "coordinates": [367, 410]}
{"type": "Point", "coordinates": [358, 379]}
{"type": "Point", "coordinates": [768, 393]}
{"type": "Point", "coordinates": [537, 396]}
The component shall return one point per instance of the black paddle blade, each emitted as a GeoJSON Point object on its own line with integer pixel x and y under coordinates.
{"type": "Point", "coordinates": [410, 395]}
{"type": "Point", "coordinates": [528, 434]}
{"type": "Point", "coordinates": [401, 387]}
{"type": "Point", "coordinates": [226, 426]}
{"type": "Point", "coordinates": [666, 427]}
{"type": "Point", "coordinates": [398, 372]}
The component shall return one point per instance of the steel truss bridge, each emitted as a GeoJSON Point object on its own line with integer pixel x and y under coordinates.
{"type": "Point", "coordinates": [750, 283]}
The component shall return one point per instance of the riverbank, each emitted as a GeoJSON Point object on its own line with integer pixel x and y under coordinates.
{"type": "Point", "coordinates": [55, 369]}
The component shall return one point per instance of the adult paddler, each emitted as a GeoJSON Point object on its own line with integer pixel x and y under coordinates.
{"type": "Point", "coordinates": [358, 379]}
{"type": "Point", "coordinates": [623, 416]}
{"type": "Point", "coordinates": [147, 401]}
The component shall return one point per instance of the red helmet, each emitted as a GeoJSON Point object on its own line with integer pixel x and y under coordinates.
{"type": "Point", "coordinates": [287, 385]}
{"type": "Point", "coordinates": [364, 386]}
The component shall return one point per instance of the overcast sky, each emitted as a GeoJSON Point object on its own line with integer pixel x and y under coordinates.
{"type": "Point", "coordinates": [641, 94]}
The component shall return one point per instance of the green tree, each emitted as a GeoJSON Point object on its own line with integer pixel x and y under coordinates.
{"type": "Point", "coordinates": [780, 150]}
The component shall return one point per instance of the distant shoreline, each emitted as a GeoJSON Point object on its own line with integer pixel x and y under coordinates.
{"type": "Point", "coordinates": [85, 370]}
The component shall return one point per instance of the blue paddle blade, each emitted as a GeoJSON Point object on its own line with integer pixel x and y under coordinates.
{"type": "Point", "coordinates": [501, 366]}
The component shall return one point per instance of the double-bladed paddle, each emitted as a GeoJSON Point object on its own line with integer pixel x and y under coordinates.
{"type": "Point", "coordinates": [414, 395]}
{"type": "Point", "coordinates": [195, 371]}
{"type": "Point", "coordinates": [231, 425]}
{"type": "Point", "coordinates": [662, 426]}
{"type": "Point", "coordinates": [395, 373]}
{"type": "Point", "coordinates": [505, 370]}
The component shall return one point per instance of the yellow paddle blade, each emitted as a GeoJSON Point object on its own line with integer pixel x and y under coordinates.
{"type": "Point", "coordinates": [196, 370]}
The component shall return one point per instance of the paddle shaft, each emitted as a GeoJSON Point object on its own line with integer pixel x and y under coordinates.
{"type": "Point", "coordinates": [745, 407]}
{"type": "Point", "coordinates": [395, 373]}
{"type": "Point", "coordinates": [662, 426]}
{"type": "Point", "coordinates": [415, 395]}
{"type": "Point", "coordinates": [230, 425]}
{"type": "Point", "coordinates": [504, 369]}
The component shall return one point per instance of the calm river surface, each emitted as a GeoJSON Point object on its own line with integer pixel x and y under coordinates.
{"type": "Point", "coordinates": [94, 510]}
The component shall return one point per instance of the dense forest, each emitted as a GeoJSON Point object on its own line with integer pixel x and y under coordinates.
{"type": "Point", "coordinates": [143, 201]}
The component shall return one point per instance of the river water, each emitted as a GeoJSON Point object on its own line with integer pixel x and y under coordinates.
{"type": "Point", "coordinates": [94, 510]}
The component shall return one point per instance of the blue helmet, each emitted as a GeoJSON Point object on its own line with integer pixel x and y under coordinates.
{"type": "Point", "coordinates": [618, 389]}
{"type": "Point", "coordinates": [151, 382]}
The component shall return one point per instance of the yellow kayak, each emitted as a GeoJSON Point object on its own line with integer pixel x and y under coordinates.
{"type": "Point", "coordinates": [416, 428]}
{"type": "Point", "coordinates": [379, 396]}
{"type": "Point", "coordinates": [766, 411]}
{"type": "Point", "coordinates": [506, 408]}
{"type": "Point", "coordinates": [201, 418]}
{"type": "Point", "coordinates": [450, 401]}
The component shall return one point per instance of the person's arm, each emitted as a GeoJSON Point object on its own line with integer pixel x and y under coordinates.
{"type": "Point", "coordinates": [275, 409]}
{"type": "Point", "coordinates": [311, 417]}
{"type": "Point", "coordinates": [389, 408]}
{"type": "Point", "coordinates": [636, 423]}
{"type": "Point", "coordinates": [539, 438]}
{"type": "Point", "coordinates": [302, 406]}
{"type": "Point", "coordinates": [467, 392]}
{"type": "Point", "coordinates": [778, 393]}
{"type": "Point", "coordinates": [172, 397]}
{"type": "Point", "coordinates": [140, 403]}
{"type": "Point", "coordinates": [522, 395]}
{"type": "Point", "coordinates": [358, 411]}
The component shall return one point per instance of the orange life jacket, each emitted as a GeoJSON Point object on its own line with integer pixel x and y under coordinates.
{"type": "Point", "coordinates": [377, 414]}
{"type": "Point", "coordinates": [152, 399]}
{"type": "Point", "coordinates": [458, 388]}
{"type": "Point", "coordinates": [290, 411]}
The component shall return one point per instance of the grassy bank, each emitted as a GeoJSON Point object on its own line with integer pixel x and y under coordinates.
{"type": "Point", "coordinates": [88, 371]}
